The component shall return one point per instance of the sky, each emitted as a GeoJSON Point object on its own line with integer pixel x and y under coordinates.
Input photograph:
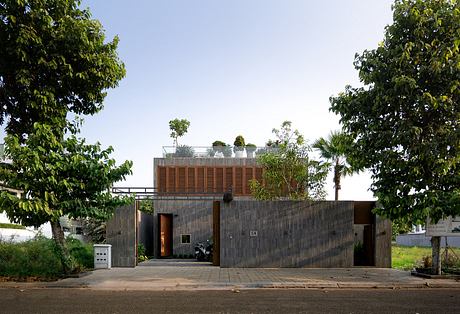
{"type": "Point", "coordinates": [230, 67]}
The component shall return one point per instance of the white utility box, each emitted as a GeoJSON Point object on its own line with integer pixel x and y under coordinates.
{"type": "Point", "coordinates": [102, 256]}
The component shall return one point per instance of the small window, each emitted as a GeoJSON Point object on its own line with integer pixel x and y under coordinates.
{"type": "Point", "coordinates": [185, 238]}
{"type": "Point", "coordinates": [78, 230]}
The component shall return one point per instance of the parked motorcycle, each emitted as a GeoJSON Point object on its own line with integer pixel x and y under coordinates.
{"type": "Point", "coordinates": [203, 251]}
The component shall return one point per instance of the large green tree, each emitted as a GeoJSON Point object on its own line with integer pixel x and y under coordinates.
{"type": "Point", "coordinates": [53, 60]}
{"type": "Point", "coordinates": [334, 148]}
{"type": "Point", "coordinates": [288, 171]}
{"type": "Point", "coordinates": [405, 120]}
{"type": "Point", "coordinates": [58, 176]}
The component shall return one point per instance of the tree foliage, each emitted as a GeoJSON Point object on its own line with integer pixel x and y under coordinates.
{"type": "Point", "coordinates": [288, 170]}
{"type": "Point", "coordinates": [405, 120]}
{"type": "Point", "coordinates": [178, 128]}
{"type": "Point", "coordinates": [59, 177]}
{"type": "Point", "coordinates": [335, 149]}
{"type": "Point", "coordinates": [54, 60]}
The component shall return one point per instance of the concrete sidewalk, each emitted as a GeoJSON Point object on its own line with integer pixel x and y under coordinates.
{"type": "Point", "coordinates": [184, 275]}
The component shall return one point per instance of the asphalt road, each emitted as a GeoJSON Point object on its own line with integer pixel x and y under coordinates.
{"type": "Point", "coordinates": [246, 301]}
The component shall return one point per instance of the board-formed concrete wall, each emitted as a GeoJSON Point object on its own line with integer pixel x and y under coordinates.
{"type": "Point", "coordinates": [192, 217]}
{"type": "Point", "coordinates": [121, 234]}
{"type": "Point", "coordinates": [289, 234]}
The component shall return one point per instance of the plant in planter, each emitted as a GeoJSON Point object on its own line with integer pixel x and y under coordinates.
{"type": "Point", "coordinates": [184, 151]}
{"type": "Point", "coordinates": [239, 146]}
{"type": "Point", "coordinates": [227, 151]}
{"type": "Point", "coordinates": [250, 149]}
{"type": "Point", "coordinates": [218, 147]}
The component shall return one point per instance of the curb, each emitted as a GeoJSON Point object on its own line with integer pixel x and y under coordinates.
{"type": "Point", "coordinates": [234, 287]}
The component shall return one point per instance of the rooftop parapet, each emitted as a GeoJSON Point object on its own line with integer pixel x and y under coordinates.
{"type": "Point", "coordinates": [184, 151]}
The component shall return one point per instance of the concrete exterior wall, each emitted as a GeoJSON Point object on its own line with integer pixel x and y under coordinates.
{"type": "Point", "coordinates": [192, 217]}
{"type": "Point", "coordinates": [382, 257]}
{"type": "Point", "coordinates": [145, 227]}
{"type": "Point", "coordinates": [289, 234]}
{"type": "Point", "coordinates": [121, 234]}
{"type": "Point", "coordinates": [205, 162]}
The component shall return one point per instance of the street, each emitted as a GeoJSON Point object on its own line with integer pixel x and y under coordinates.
{"type": "Point", "coordinates": [54, 300]}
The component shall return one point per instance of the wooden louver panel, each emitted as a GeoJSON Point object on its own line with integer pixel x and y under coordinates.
{"type": "Point", "coordinates": [200, 180]}
{"type": "Point", "coordinates": [210, 180]}
{"type": "Point", "coordinates": [219, 180]}
{"type": "Point", "coordinates": [171, 180]}
{"type": "Point", "coordinates": [181, 186]}
{"type": "Point", "coordinates": [228, 178]}
{"type": "Point", "coordinates": [238, 184]}
{"type": "Point", "coordinates": [161, 179]}
{"type": "Point", "coordinates": [191, 180]}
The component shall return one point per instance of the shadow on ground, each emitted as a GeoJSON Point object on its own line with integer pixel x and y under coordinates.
{"type": "Point", "coordinates": [174, 262]}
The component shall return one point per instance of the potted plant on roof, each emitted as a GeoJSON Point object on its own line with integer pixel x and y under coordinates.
{"type": "Point", "coordinates": [218, 148]}
{"type": "Point", "coordinates": [250, 149]}
{"type": "Point", "coordinates": [239, 146]}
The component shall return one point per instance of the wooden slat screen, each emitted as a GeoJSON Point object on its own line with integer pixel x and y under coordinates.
{"type": "Point", "coordinates": [181, 184]}
{"type": "Point", "coordinates": [191, 180]}
{"type": "Point", "coordinates": [228, 178]}
{"type": "Point", "coordinates": [219, 187]}
{"type": "Point", "coordinates": [171, 180]}
{"type": "Point", "coordinates": [201, 179]}
{"type": "Point", "coordinates": [210, 179]}
{"type": "Point", "coordinates": [238, 184]}
{"type": "Point", "coordinates": [161, 179]}
{"type": "Point", "coordinates": [200, 187]}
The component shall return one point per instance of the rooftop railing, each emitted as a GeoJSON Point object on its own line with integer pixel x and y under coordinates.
{"type": "Point", "coordinates": [184, 151]}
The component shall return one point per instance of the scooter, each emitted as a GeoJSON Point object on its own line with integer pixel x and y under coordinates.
{"type": "Point", "coordinates": [203, 251]}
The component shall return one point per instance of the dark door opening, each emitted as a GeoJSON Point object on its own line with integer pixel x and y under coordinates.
{"type": "Point", "coordinates": [165, 234]}
{"type": "Point", "coordinates": [364, 231]}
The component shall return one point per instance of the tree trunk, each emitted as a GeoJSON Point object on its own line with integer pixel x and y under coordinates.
{"type": "Point", "coordinates": [337, 179]}
{"type": "Point", "coordinates": [436, 255]}
{"type": "Point", "coordinates": [58, 236]}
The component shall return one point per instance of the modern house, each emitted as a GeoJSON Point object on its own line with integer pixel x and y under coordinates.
{"type": "Point", "coordinates": [188, 208]}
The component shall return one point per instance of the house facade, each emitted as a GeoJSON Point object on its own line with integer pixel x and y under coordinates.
{"type": "Point", "coordinates": [185, 190]}
{"type": "Point", "coordinates": [189, 208]}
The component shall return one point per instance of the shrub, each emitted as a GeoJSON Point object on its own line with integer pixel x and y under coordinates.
{"type": "Point", "coordinates": [82, 254]}
{"type": "Point", "coordinates": [227, 151]}
{"type": "Point", "coordinates": [36, 258]}
{"type": "Point", "coordinates": [184, 151]}
{"type": "Point", "coordinates": [239, 143]}
{"type": "Point", "coordinates": [141, 253]}
{"type": "Point", "coordinates": [218, 143]}
{"type": "Point", "coordinates": [39, 258]}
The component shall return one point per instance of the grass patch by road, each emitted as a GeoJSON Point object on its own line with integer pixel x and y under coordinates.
{"type": "Point", "coordinates": [38, 259]}
{"type": "Point", "coordinates": [408, 257]}
{"type": "Point", "coordinates": [11, 226]}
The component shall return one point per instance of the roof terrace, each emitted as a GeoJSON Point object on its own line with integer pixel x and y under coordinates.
{"type": "Point", "coordinates": [184, 151]}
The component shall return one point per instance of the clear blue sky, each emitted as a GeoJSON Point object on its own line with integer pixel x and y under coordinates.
{"type": "Point", "coordinates": [230, 67]}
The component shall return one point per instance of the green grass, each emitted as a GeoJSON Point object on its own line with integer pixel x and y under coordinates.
{"type": "Point", "coordinates": [408, 257]}
{"type": "Point", "coordinates": [38, 258]}
{"type": "Point", "coordinates": [11, 226]}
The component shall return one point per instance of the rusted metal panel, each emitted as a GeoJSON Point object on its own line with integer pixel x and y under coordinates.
{"type": "Point", "coordinates": [216, 233]}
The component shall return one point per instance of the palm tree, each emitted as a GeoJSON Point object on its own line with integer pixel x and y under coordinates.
{"type": "Point", "coordinates": [334, 150]}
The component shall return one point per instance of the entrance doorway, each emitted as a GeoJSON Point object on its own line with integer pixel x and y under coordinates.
{"type": "Point", "coordinates": [165, 234]}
